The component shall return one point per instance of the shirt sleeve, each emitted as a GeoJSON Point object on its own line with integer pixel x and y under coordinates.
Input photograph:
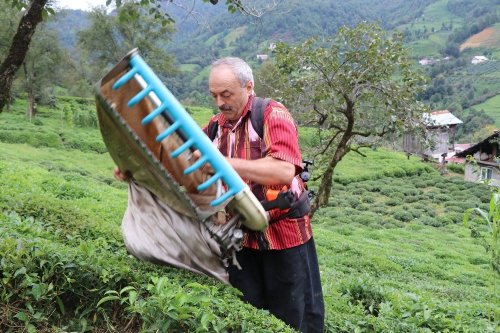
{"type": "Point", "coordinates": [281, 135]}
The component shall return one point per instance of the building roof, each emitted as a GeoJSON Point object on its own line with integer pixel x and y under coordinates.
{"type": "Point", "coordinates": [480, 58]}
{"type": "Point", "coordinates": [459, 147]}
{"type": "Point", "coordinates": [473, 149]}
{"type": "Point", "coordinates": [441, 118]}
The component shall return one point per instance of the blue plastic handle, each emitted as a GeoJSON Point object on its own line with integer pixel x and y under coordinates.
{"type": "Point", "coordinates": [182, 121]}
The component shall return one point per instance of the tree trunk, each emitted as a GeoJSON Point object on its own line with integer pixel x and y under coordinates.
{"type": "Point", "coordinates": [325, 188]}
{"type": "Point", "coordinates": [19, 47]}
{"type": "Point", "coordinates": [31, 111]}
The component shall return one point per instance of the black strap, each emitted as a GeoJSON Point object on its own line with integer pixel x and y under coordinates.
{"type": "Point", "coordinates": [259, 106]}
{"type": "Point", "coordinates": [257, 114]}
{"type": "Point", "coordinates": [212, 130]}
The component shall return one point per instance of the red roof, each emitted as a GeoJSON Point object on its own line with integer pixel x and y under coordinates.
{"type": "Point", "coordinates": [461, 146]}
{"type": "Point", "coordinates": [454, 159]}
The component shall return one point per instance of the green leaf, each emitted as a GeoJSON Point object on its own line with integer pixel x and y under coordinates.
{"type": "Point", "coordinates": [32, 329]}
{"type": "Point", "coordinates": [107, 299]}
{"type": "Point", "coordinates": [205, 319]}
{"type": "Point", "coordinates": [20, 271]}
{"type": "Point", "coordinates": [60, 304]}
{"type": "Point", "coordinates": [36, 291]}
{"type": "Point", "coordinates": [127, 288]}
{"type": "Point", "coordinates": [22, 316]}
{"type": "Point", "coordinates": [132, 297]}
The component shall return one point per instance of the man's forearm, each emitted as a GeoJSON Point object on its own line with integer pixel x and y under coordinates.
{"type": "Point", "coordinates": [265, 171]}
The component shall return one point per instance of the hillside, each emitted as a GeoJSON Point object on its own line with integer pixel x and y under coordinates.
{"type": "Point", "coordinates": [393, 251]}
{"type": "Point", "coordinates": [436, 31]}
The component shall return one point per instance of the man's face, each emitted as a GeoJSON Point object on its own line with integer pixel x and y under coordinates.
{"type": "Point", "coordinates": [227, 92]}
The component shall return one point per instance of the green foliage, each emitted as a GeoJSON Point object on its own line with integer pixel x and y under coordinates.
{"type": "Point", "coordinates": [366, 293]}
{"type": "Point", "coordinates": [490, 239]}
{"type": "Point", "coordinates": [383, 164]}
{"type": "Point", "coordinates": [110, 38]}
{"type": "Point", "coordinates": [456, 168]}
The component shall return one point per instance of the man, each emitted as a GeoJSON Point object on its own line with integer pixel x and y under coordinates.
{"type": "Point", "coordinates": [279, 269]}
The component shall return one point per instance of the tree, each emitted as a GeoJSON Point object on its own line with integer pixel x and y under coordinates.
{"type": "Point", "coordinates": [41, 68]}
{"type": "Point", "coordinates": [19, 47]}
{"type": "Point", "coordinates": [35, 10]}
{"type": "Point", "coordinates": [109, 38]}
{"type": "Point", "coordinates": [354, 89]}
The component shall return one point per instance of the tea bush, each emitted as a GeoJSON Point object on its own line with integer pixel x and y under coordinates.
{"type": "Point", "coordinates": [366, 293]}
{"type": "Point", "coordinates": [456, 167]}
{"type": "Point", "coordinates": [402, 215]}
{"type": "Point", "coordinates": [393, 202]}
{"type": "Point", "coordinates": [64, 268]}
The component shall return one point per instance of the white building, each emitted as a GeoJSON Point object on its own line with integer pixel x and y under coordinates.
{"type": "Point", "coordinates": [478, 59]}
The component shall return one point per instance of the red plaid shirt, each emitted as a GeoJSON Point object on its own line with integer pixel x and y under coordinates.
{"type": "Point", "coordinates": [280, 140]}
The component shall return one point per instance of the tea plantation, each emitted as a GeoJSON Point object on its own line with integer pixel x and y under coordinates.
{"type": "Point", "coordinates": [394, 253]}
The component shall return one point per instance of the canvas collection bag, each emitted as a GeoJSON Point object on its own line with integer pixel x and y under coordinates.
{"type": "Point", "coordinates": [154, 232]}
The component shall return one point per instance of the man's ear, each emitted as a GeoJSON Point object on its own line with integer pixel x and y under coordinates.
{"type": "Point", "coordinates": [249, 88]}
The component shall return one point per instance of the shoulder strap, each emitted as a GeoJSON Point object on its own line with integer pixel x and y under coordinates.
{"type": "Point", "coordinates": [256, 117]}
{"type": "Point", "coordinates": [212, 130]}
{"type": "Point", "coordinates": [257, 114]}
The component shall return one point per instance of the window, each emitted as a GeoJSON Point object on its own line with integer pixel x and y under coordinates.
{"type": "Point", "coordinates": [486, 173]}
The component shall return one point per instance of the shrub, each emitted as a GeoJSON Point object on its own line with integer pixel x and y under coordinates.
{"type": "Point", "coordinates": [454, 217]}
{"type": "Point", "coordinates": [358, 190]}
{"type": "Point", "coordinates": [456, 167]}
{"type": "Point", "coordinates": [367, 218]}
{"type": "Point", "coordinates": [438, 198]}
{"type": "Point", "coordinates": [392, 202]}
{"type": "Point", "coordinates": [378, 209]}
{"type": "Point", "coordinates": [430, 221]}
{"type": "Point", "coordinates": [366, 293]}
{"type": "Point", "coordinates": [416, 213]}
{"type": "Point", "coordinates": [353, 201]}
{"type": "Point", "coordinates": [368, 198]}
{"type": "Point", "coordinates": [388, 190]}
{"type": "Point", "coordinates": [402, 215]}
{"type": "Point", "coordinates": [390, 222]}
{"type": "Point", "coordinates": [411, 198]}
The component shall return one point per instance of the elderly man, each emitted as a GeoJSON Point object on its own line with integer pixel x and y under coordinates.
{"type": "Point", "coordinates": [279, 267]}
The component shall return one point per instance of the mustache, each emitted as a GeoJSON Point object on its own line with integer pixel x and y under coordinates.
{"type": "Point", "coordinates": [225, 107]}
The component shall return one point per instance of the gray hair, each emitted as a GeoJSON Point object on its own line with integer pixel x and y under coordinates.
{"type": "Point", "coordinates": [238, 66]}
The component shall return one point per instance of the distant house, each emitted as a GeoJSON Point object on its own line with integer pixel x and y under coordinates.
{"type": "Point", "coordinates": [478, 59]}
{"type": "Point", "coordinates": [486, 166]}
{"type": "Point", "coordinates": [426, 62]}
{"type": "Point", "coordinates": [262, 57]}
{"type": "Point", "coordinates": [441, 127]}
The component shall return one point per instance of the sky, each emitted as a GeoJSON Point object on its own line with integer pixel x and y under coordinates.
{"type": "Point", "coordinates": [81, 4]}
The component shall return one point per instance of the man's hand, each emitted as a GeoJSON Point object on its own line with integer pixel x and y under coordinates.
{"type": "Point", "coordinates": [205, 168]}
{"type": "Point", "coordinates": [119, 175]}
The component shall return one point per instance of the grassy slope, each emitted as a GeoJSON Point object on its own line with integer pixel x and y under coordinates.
{"type": "Point", "coordinates": [486, 76]}
{"type": "Point", "coordinates": [394, 255]}
{"type": "Point", "coordinates": [433, 17]}
{"type": "Point", "coordinates": [492, 108]}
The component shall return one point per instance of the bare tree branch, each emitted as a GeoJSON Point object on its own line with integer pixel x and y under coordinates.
{"type": "Point", "coordinates": [356, 149]}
